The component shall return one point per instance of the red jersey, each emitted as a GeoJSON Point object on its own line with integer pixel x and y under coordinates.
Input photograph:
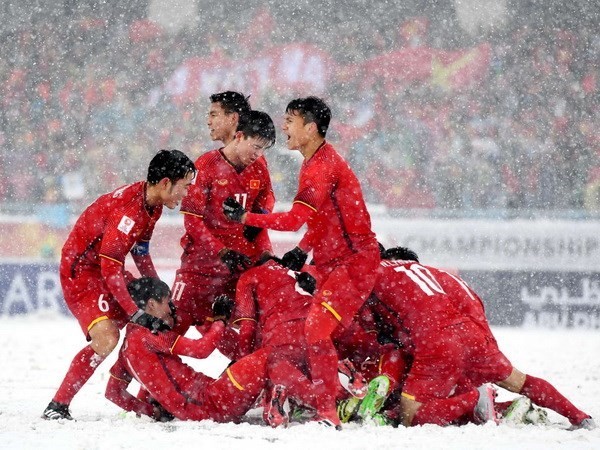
{"type": "Point", "coordinates": [152, 359]}
{"type": "Point", "coordinates": [270, 295]}
{"type": "Point", "coordinates": [340, 225]}
{"type": "Point", "coordinates": [207, 230]}
{"type": "Point", "coordinates": [416, 295]}
{"type": "Point", "coordinates": [111, 227]}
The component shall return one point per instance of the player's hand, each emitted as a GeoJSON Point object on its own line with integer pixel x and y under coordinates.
{"type": "Point", "coordinates": [222, 307]}
{"type": "Point", "coordinates": [306, 282]}
{"type": "Point", "coordinates": [294, 259]}
{"type": "Point", "coordinates": [149, 321]}
{"type": "Point", "coordinates": [250, 232]}
{"type": "Point", "coordinates": [159, 413]}
{"type": "Point", "coordinates": [235, 261]}
{"type": "Point", "coordinates": [233, 210]}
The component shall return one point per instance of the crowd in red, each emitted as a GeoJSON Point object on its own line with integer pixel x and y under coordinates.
{"type": "Point", "coordinates": [509, 122]}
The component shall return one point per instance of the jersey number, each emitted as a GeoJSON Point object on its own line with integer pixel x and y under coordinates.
{"type": "Point", "coordinates": [422, 277]}
{"type": "Point", "coordinates": [102, 304]}
{"type": "Point", "coordinates": [241, 199]}
{"type": "Point", "coordinates": [177, 291]}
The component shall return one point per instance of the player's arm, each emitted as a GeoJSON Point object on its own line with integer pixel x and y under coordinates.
{"type": "Point", "coordinates": [200, 348]}
{"type": "Point", "coordinates": [193, 207]}
{"type": "Point", "coordinates": [112, 272]}
{"type": "Point", "coordinates": [291, 220]}
{"type": "Point", "coordinates": [244, 315]}
{"type": "Point", "coordinates": [140, 254]}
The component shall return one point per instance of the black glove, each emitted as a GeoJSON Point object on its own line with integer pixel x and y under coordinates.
{"type": "Point", "coordinates": [306, 282]}
{"type": "Point", "coordinates": [294, 259]}
{"type": "Point", "coordinates": [251, 232]}
{"type": "Point", "coordinates": [235, 261]}
{"type": "Point", "coordinates": [149, 321]}
{"type": "Point", "coordinates": [160, 414]}
{"type": "Point", "coordinates": [222, 307]}
{"type": "Point", "coordinates": [233, 209]}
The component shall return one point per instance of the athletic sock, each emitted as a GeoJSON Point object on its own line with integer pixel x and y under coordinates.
{"type": "Point", "coordinates": [545, 395]}
{"type": "Point", "coordinates": [446, 410]}
{"type": "Point", "coordinates": [81, 369]}
{"type": "Point", "coordinates": [323, 360]}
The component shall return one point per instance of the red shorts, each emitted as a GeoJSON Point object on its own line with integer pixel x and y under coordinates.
{"type": "Point", "coordinates": [453, 353]}
{"type": "Point", "coordinates": [193, 295]}
{"type": "Point", "coordinates": [485, 363]}
{"type": "Point", "coordinates": [347, 286]}
{"type": "Point", "coordinates": [90, 301]}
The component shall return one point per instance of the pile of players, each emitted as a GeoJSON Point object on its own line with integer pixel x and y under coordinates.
{"type": "Point", "coordinates": [418, 333]}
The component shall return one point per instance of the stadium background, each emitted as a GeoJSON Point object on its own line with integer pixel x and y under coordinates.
{"type": "Point", "coordinates": [472, 125]}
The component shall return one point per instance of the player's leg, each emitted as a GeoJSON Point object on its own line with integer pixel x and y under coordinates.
{"type": "Point", "coordinates": [100, 317]}
{"type": "Point", "coordinates": [230, 396]}
{"type": "Point", "coordinates": [543, 394]}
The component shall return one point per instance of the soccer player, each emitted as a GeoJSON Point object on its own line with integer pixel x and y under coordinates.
{"type": "Point", "coordinates": [216, 250]}
{"type": "Point", "coordinates": [345, 252]}
{"type": "Point", "coordinates": [448, 345]}
{"type": "Point", "coordinates": [271, 309]}
{"type": "Point", "coordinates": [153, 359]}
{"type": "Point", "coordinates": [92, 273]}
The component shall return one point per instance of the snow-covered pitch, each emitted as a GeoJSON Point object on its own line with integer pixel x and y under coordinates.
{"type": "Point", "coordinates": [35, 351]}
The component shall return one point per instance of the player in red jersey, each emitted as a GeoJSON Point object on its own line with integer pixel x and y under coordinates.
{"type": "Point", "coordinates": [92, 271]}
{"type": "Point", "coordinates": [215, 250]}
{"type": "Point", "coordinates": [345, 252]}
{"type": "Point", "coordinates": [448, 344]}
{"type": "Point", "coordinates": [153, 359]}
{"type": "Point", "coordinates": [271, 310]}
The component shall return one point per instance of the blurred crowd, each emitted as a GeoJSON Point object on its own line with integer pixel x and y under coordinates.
{"type": "Point", "coordinates": [84, 108]}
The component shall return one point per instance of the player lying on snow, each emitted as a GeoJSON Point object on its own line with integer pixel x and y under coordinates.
{"type": "Point", "coordinates": [441, 322]}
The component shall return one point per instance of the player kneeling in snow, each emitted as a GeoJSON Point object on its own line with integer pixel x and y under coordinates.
{"type": "Point", "coordinates": [153, 359]}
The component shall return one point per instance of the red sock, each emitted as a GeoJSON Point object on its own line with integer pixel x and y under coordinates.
{"type": "Point", "coordinates": [82, 367]}
{"type": "Point", "coordinates": [501, 407]}
{"type": "Point", "coordinates": [444, 411]}
{"type": "Point", "coordinates": [323, 362]}
{"type": "Point", "coordinates": [544, 394]}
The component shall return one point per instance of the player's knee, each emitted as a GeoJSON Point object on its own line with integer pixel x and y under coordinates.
{"type": "Point", "coordinates": [104, 343]}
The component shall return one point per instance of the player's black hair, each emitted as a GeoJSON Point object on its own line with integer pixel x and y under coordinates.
{"type": "Point", "coordinates": [145, 288]}
{"type": "Point", "coordinates": [231, 101]}
{"type": "Point", "coordinates": [171, 164]}
{"type": "Point", "coordinates": [257, 124]}
{"type": "Point", "coordinates": [403, 253]}
{"type": "Point", "coordinates": [266, 257]}
{"type": "Point", "coordinates": [311, 109]}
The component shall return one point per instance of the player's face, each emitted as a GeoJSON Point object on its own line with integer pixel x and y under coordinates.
{"type": "Point", "coordinates": [221, 125]}
{"type": "Point", "coordinates": [174, 192]}
{"type": "Point", "coordinates": [162, 310]}
{"type": "Point", "coordinates": [296, 131]}
{"type": "Point", "coordinates": [249, 149]}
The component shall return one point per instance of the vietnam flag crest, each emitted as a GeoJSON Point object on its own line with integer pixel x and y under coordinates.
{"type": "Point", "coordinates": [254, 184]}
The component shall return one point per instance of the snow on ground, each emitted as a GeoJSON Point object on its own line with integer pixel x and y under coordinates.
{"type": "Point", "coordinates": [37, 349]}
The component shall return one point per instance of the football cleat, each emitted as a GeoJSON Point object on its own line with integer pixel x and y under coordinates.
{"type": "Point", "coordinates": [377, 393]}
{"type": "Point", "coordinates": [379, 420]}
{"type": "Point", "coordinates": [277, 413]}
{"type": "Point", "coordinates": [347, 409]}
{"type": "Point", "coordinates": [356, 384]}
{"type": "Point", "coordinates": [484, 409]}
{"type": "Point", "coordinates": [586, 424]}
{"type": "Point", "coordinates": [516, 412]}
{"type": "Point", "coordinates": [56, 411]}
{"type": "Point", "coordinates": [537, 416]}
{"type": "Point", "coordinates": [329, 419]}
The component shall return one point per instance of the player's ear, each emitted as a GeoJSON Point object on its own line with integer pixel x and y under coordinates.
{"type": "Point", "coordinates": [164, 183]}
